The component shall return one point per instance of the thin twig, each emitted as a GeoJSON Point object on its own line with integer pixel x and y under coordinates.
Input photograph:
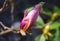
{"type": "Point", "coordinates": [7, 31]}
{"type": "Point", "coordinates": [5, 27]}
{"type": "Point", "coordinates": [12, 9]}
{"type": "Point", "coordinates": [11, 29]}
{"type": "Point", "coordinates": [3, 6]}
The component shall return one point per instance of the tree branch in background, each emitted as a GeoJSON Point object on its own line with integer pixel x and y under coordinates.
{"type": "Point", "coordinates": [12, 9]}
{"type": "Point", "coordinates": [1, 9]}
{"type": "Point", "coordinates": [7, 29]}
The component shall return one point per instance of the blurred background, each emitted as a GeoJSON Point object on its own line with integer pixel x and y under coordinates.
{"type": "Point", "coordinates": [50, 8]}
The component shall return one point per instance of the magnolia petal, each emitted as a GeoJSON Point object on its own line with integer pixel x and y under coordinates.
{"type": "Point", "coordinates": [25, 13]}
{"type": "Point", "coordinates": [27, 25]}
{"type": "Point", "coordinates": [23, 31]}
{"type": "Point", "coordinates": [23, 23]}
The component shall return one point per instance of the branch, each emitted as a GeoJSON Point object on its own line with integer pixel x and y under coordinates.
{"type": "Point", "coordinates": [12, 9]}
{"type": "Point", "coordinates": [7, 29]}
{"type": "Point", "coordinates": [3, 6]}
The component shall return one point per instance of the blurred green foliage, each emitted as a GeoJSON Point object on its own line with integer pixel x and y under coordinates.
{"type": "Point", "coordinates": [40, 38]}
{"type": "Point", "coordinates": [54, 26]}
{"type": "Point", "coordinates": [39, 21]}
{"type": "Point", "coordinates": [57, 10]}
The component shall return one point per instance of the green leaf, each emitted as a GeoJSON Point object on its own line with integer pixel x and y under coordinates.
{"type": "Point", "coordinates": [39, 21]}
{"type": "Point", "coordinates": [57, 10]}
{"type": "Point", "coordinates": [37, 38]}
{"type": "Point", "coordinates": [40, 38]}
{"type": "Point", "coordinates": [55, 25]}
{"type": "Point", "coordinates": [29, 9]}
{"type": "Point", "coordinates": [57, 35]}
{"type": "Point", "coordinates": [48, 12]}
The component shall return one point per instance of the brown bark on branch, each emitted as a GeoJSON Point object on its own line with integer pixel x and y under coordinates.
{"type": "Point", "coordinates": [1, 9]}
{"type": "Point", "coordinates": [5, 32]}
